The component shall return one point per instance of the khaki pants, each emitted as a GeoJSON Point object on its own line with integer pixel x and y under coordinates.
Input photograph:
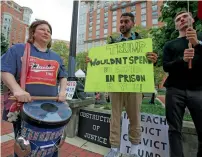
{"type": "Point", "coordinates": [131, 102]}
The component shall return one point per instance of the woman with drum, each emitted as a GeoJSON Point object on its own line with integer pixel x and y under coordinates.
{"type": "Point", "coordinates": [44, 71]}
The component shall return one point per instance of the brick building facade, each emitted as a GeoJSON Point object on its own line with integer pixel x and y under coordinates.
{"type": "Point", "coordinates": [15, 21]}
{"type": "Point", "coordinates": [103, 18]}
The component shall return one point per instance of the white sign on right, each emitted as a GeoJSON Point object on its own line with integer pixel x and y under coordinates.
{"type": "Point", "coordinates": [71, 87]}
{"type": "Point", "coordinates": [154, 141]}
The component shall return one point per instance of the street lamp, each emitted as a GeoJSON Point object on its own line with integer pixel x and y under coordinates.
{"type": "Point", "coordinates": [73, 40]}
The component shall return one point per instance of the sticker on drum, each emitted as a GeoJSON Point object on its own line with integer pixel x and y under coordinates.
{"type": "Point", "coordinates": [43, 123]}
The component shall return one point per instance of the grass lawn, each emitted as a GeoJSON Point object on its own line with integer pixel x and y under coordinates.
{"type": "Point", "coordinates": [156, 109]}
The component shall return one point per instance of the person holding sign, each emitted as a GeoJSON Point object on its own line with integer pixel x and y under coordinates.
{"type": "Point", "coordinates": [184, 85]}
{"type": "Point", "coordinates": [131, 101]}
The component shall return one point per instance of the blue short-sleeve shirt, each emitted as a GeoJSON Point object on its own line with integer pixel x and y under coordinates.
{"type": "Point", "coordinates": [44, 71]}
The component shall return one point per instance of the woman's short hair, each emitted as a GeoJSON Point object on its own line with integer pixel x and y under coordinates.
{"type": "Point", "coordinates": [32, 29]}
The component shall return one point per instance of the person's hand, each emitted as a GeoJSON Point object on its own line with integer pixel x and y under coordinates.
{"type": "Point", "coordinates": [62, 96]}
{"type": "Point", "coordinates": [151, 56]}
{"type": "Point", "coordinates": [87, 59]}
{"type": "Point", "coordinates": [192, 36]}
{"type": "Point", "coordinates": [22, 96]}
{"type": "Point", "coordinates": [188, 54]}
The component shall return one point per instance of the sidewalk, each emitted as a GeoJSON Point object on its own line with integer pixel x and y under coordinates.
{"type": "Point", "coordinates": [73, 147]}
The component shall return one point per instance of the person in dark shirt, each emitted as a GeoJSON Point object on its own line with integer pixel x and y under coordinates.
{"type": "Point", "coordinates": [183, 85]}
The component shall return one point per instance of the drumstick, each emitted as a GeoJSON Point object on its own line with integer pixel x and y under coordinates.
{"type": "Point", "coordinates": [189, 45]}
{"type": "Point", "coordinates": [36, 98]}
{"type": "Point", "coordinates": [190, 60]}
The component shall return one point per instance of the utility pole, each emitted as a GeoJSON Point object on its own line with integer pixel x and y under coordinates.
{"type": "Point", "coordinates": [73, 41]}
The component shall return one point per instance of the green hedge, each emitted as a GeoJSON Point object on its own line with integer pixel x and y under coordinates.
{"type": "Point", "coordinates": [156, 109]}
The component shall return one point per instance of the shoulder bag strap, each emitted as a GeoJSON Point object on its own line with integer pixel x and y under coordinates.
{"type": "Point", "coordinates": [25, 65]}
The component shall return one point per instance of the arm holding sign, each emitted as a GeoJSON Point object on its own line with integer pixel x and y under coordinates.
{"type": "Point", "coordinates": [151, 56]}
{"type": "Point", "coordinates": [87, 59]}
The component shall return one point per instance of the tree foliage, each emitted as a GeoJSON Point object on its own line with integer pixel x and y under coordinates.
{"type": "Point", "coordinates": [80, 61]}
{"type": "Point", "coordinates": [142, 31]}
{"type": "Point", "coordinates": [168, 32]}
{"type": "Point", "coordinates": [4, 44]}
{"type": "Point", "coordinates": [159, 74]}
{"type": "Point", "coordinates": [61, 48]}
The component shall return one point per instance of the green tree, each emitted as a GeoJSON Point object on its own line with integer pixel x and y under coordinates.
{"type": "Point", "coordinates": [61, 48]}
{"type": "Point", "coordinates": [4, 44]}
{"type": "Point", "coordinates": [159, 74]}
{"type": "Point", "coordinates": [80, 61]}
{"type": "Point", "coordinates": [168, 32]}
{"type": "Point", "coordinates": [143, 32]}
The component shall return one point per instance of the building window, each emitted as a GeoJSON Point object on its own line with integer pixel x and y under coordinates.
{"type": "Point", "coordinates": [114, 24]}
{"type": "Point", "coordinates": [123, 3]}
{"type": "Point", "coordinates": [143, 5]}
{"type": "Point", "coordinates": [97, 27]}
{"type": "Point", "coordinates": [4, 27]}
{"type": "Point", "coordinates": [91, 19]}
{"type": "Point", "coordinates": [113, 30]}
{"type": "Point", "coordinates": [106, 15]}
{"type": "Point", "coordinates": [154, 21]}
{"type": "Point", "coordinates": [9, 2]}
{"type": "Point", "coordinates": [106, 20]}
{"type": "Point", "coordinates": [114, 18]}
{"type": "Point", "coordinates": [90, 28]}
{"type": "Point", "coordinates": [106, 3]}
{"type": "Point", "coordinates": [105, 35]}
{"type": "Point", "coordinates": [105, 26]}
{"type": "Point", "coordinates": [98, 5]}
{"type": "Point", "coordinates": [98, 11]}
{"type": "Point", "coordinates": [114, 13]}
{"type": "Point", "coordinates": [154, 14]}
{"type": "Point", "coordinates": [154, 8]}
{"type": "Point", "coordinates": [16, 7]}
{"type": "Point", "coordinates": [143, 11]}
{"type": "Point", "coordinates": [114, 6]}
{"type": "Point", "coordinates": [105, 31]}
{"type": "Point", "coordinates": [132, 8]}
{"type": "Point", "coordinates": [89, 45]}
{"type": "Point", "coordinates": [144, 23]}
{"type": "Point", "coordinates": [90, 34]}
{"type": "Point", "coordinates": [123, 10]}
{"type": "Point", "coordinates": [154, 2]}
{"type": "Point", "coordinates": [91, 24]}
{"type": "Point", "coordinates": [106, 9]}
{"type": "Point", "coordinates": [98, 33]}
{"type": "Point", "coordinates": [97, 43]}
{"type": "Point", "coordinates": [98, 21]}
{"type": "Point", "coordinates": [143, 17]}
{"type": "Point", "coordinates": [98, 17]}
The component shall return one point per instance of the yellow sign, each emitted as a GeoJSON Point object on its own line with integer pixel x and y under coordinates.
{"type": "Point", "coordinates": [121, 67]}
